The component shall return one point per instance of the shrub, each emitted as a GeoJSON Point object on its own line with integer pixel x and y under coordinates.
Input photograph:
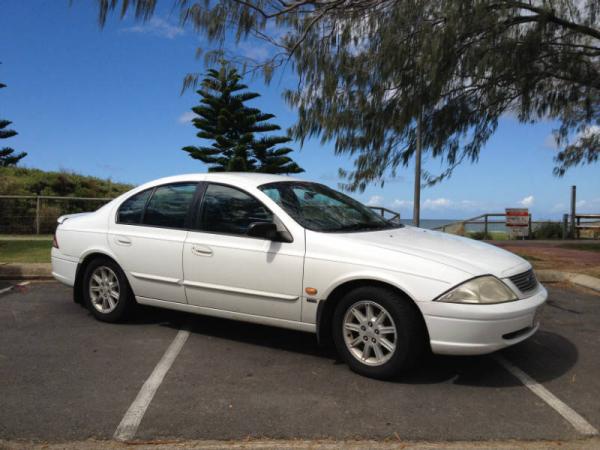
{"type": "Point", "coordinates": [480, 236]}
{"type": "Point", "coordinates": [548, 230]}
{"type": "Point", "coordinates": [24, 181]}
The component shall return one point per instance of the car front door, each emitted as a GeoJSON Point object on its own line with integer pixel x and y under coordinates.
{"type": "Point", "coordinates": [226, 269]}
{"type": "Point", "coordinates": [147, 236]}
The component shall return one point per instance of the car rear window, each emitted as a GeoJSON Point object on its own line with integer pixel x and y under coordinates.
{"type": "Point", "coordinates": [132, 209]}
{"type": "Point", "coordinates": [169, 205]}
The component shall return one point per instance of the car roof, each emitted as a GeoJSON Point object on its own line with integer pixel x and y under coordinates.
{"type": "Point", "coordinates": [248, 179]}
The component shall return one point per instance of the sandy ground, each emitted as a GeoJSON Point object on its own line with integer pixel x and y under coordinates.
{"type": "Point", "coordinates": [549, 255]}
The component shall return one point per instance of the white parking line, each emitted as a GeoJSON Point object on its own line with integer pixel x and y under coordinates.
{"type": "Point", "coordinates": [2, 291]}
{"type": "Point", "coordinates": [571, 416]}
{"type": "Point", "coordinates": [132, 418]}
{"type": "Point", "coordinates": [10, 288]}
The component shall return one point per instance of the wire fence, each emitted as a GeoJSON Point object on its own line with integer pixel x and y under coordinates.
{"type": "Point", "coordinates": [30, 214]}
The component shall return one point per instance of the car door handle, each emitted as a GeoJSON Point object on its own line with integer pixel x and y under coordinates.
{"type": "Point", "coordinates": [201, 250]}
{"type": "Point", "coordinates": [122, 240]}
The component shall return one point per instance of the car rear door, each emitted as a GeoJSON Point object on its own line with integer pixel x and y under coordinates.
{"type": "Point", "coordinates": [147, 236]}
{"type": "Point", "coordinates": [228, 270]}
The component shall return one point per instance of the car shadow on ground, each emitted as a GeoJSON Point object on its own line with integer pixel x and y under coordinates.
{"type": "Point", "coordinates": [552, 354]}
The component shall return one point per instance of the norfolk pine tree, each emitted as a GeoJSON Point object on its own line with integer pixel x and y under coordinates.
{"type": "Point", "coordinates": [7, 154]}
{"type": "Point", "coordinates": [224, 119]}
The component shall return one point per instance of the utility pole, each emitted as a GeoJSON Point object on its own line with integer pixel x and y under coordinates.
{"type": "Point", "coordinates": [417, 195]}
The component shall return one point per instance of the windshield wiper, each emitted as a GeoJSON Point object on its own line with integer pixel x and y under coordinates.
{"type": "Point", "coordinates": [362, 226]}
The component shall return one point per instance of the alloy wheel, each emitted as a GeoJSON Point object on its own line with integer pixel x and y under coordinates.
{"type": "Point", "coordinates": [369, 333]}
{"type": "Point", "coordinates": [104, 289]}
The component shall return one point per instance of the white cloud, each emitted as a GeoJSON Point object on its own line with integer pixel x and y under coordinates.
{"type": "Point", "coordinates": [588, 206]}
{"type": "Point", "coordinates": [375, 200]}
{"type": "Point", "coordinates": [401, 204]}
{"type": "Point", "coordinates": [437, 203]}
{"type": "Point", "coordinates": [469, 205]}
{"type": "Point", "coordinates": [527, 201]}
{"type": "Point", "coordinates": [186, 117]}
{"type": "Point", "coordinates": [156, 27]}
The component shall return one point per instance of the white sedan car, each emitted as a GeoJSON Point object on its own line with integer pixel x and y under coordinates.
{"type": "Point", "coordinates": [294, 254]}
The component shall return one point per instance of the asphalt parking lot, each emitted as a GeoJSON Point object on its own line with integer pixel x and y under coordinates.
{"type": "Point", "coordinates": [67, 377]}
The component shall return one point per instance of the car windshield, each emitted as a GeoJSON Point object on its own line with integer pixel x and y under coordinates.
{"type": "Point", "coordinates": [319, 208]}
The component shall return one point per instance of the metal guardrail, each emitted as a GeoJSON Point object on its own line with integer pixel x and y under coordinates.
{"type": "Point", "coordinates": [395, 216]}
{"type": "Point", "coordinates": [486, 222]}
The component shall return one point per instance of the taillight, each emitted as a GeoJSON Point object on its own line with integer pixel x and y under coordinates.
{"type": "Point", "coordinates": [54, 241]}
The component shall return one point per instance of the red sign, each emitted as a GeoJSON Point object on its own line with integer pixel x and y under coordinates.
{"type": "Point", "coordinates": [517, 221]}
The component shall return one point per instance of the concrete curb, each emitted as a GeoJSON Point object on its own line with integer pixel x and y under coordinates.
{"type": "Point", "coordinates": [586, 281]}
{"type": "Point", "coordinates": [12, 271]}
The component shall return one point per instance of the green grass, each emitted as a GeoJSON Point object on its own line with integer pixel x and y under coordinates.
{"type": "Point", "coordinates": [25, 251]}
{"type": "Point", "coordinates": [589, 247]}
{"type": "Point", "coordinates": [492, 235]}
{"type": "Point", "coordinates": [25, 237]}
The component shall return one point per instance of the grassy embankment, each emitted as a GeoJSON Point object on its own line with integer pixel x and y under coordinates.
{"type": "Point", "coordinates": [24, 181]}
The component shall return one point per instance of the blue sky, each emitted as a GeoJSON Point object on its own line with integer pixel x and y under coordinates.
{"type": "Point", "coordinates": [107, 103]}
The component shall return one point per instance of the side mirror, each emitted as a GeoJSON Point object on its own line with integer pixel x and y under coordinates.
{"type": "Point", "coordinates": [268, 230]}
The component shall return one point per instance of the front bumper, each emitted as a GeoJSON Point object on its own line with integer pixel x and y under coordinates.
{"type": "Point", "coordinates": [458, 329]}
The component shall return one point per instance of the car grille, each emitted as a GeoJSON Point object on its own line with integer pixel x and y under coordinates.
{"type": "Point", "coordinates": [525, 281]}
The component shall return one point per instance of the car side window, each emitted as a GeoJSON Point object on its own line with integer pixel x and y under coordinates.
{"type": "Point", "coordinates": [132, 209]}
{"type": "Point", "coordinates": [169, 205]}
{"type": "Point", "coordinates": [231, 211]}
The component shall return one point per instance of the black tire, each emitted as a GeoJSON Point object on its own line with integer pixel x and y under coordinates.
{"type": "Point", "coordinates": [125, 302]}
{"type": "Point", "coordinates": [410, 341]}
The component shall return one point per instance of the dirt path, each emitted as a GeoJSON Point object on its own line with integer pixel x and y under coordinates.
{"type": "Point", "coordinates": [548, 255]}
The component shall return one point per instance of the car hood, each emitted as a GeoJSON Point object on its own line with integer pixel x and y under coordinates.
{"type": "Point", "coordinates": [467, 255]}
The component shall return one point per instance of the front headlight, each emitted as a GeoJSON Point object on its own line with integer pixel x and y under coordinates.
{"type": "Point", "coordinates": [482, 290]}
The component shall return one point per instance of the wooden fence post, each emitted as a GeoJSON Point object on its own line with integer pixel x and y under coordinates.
{"type": "Point", "coordinates": [485, 227]}
{"type": "Point", "coordinates": [37, 215]}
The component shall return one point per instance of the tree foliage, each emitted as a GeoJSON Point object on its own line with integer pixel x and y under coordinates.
{"type": "Point", "coordinates": [368, 68]}
{"type": "Point", "coordinates": [8, 157]}
{"type": "Point", "coordinates": [232, 126]}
